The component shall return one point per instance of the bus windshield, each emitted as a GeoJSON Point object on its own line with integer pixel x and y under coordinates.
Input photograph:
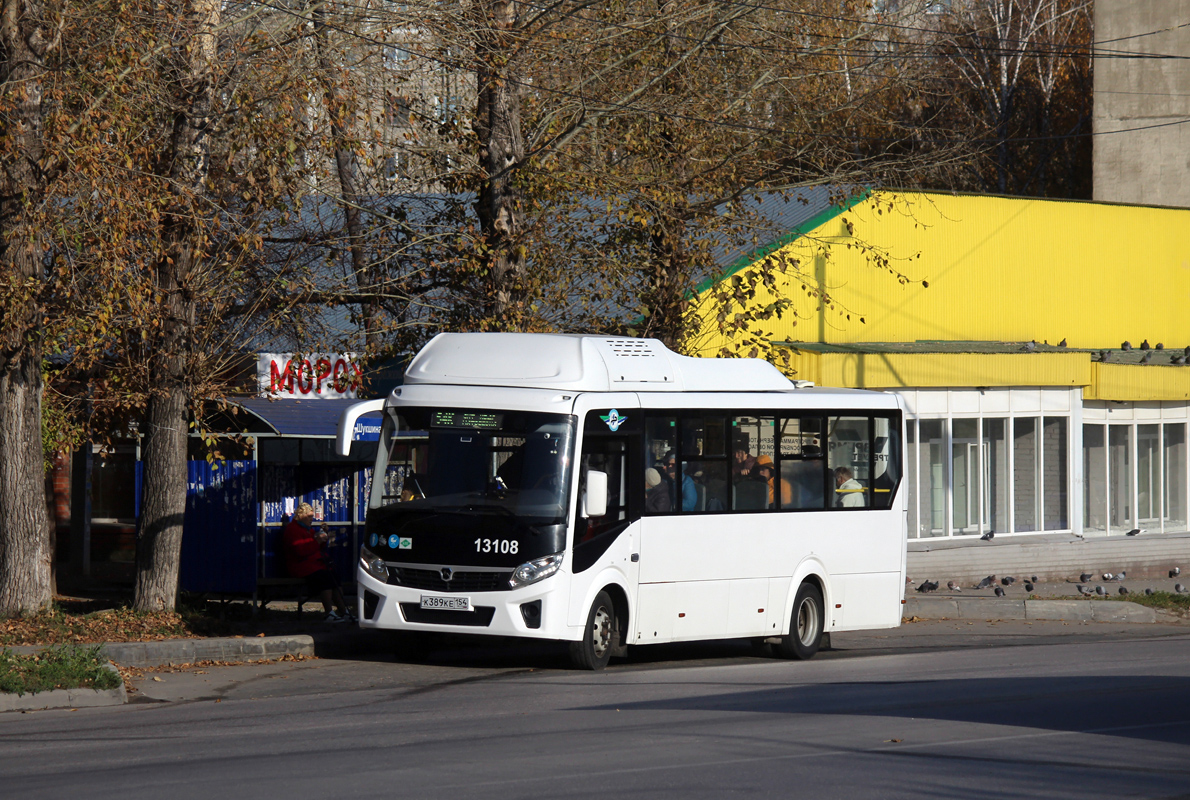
{"type": "Point", "coordinates": [502, 461]}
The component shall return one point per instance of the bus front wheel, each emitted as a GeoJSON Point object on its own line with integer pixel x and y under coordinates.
{"type": "Point", "coordinates": [805, 627]}
{"type": "Point", "coordinates": [595, 648]}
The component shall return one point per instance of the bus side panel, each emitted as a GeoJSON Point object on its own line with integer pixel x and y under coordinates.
{"type": "Point", "coordinates": [881, 606]}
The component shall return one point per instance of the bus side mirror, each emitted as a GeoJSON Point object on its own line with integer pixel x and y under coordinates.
{"type": "Point", "coordinates": [595, 498]}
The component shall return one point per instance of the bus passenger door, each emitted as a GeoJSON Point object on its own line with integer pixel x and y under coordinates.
{"type": "Point", "coordinates": [607, 543]}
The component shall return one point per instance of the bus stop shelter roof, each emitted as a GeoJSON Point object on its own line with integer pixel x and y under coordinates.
{"type": "Point", "coordinates": [295, 418]}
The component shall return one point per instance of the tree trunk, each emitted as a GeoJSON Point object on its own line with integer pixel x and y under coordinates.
{"type": "Point", "coordinates": [159, 538]}
{"type": "Point", "coordinates": [26, 39]}
{"type": "Point", "coordinates": [347, 169]}
{"type": "Point", "coordinates": [501, 150]}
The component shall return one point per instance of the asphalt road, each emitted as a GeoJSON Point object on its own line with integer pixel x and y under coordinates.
{"type": "Point", "coordinates": [1015, 710]}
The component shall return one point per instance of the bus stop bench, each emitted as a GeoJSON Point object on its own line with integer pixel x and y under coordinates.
{"type": "Point", "coordinates": [270, 589]}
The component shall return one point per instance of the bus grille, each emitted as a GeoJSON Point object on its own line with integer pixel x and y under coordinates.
{"type": "Point", "coordinates": [462, 581]}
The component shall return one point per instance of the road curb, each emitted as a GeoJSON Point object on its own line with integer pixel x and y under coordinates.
{"type": "Point", "coordinates": [187, 651]}
{"type": "Point", "coordinates": [984, 608]}
{"type": "Point", "coordinates": [65, 698]}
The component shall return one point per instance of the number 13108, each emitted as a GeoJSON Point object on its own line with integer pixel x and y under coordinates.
{"type": "Point", "coordinates": [497, 546]}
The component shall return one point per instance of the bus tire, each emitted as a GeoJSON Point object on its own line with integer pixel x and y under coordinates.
{"type": "Point", "coordinates": [595, 648]}
{"type": "Point", "coordinates": [805, 626]}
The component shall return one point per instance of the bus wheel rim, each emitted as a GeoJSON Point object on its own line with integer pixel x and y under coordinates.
{"type": "Point", "coordinates": [602, 631]}
{"type": "Point", "coordinates": [807, 621]}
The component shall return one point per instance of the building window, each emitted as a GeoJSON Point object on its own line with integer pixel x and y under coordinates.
{"type": "Point", "coordinates": [995, 481]}
{"type": "Point", "coordinates": [1025, 458]}
{"type": "Point", "coordinates": [1119, 473]}
{"type": "Point", "coordinates": [1175, 477]}
{"type": "Point", "coordinates": [933, 478]}
{"type": "Point", "coordinates": [1095, 478]}
{"type": "Point", "coordinates": [1054, 447]}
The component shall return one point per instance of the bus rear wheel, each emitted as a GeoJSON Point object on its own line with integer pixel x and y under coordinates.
{"type": "Point", "coordinates": [594, 650]}
{"type": "Point", "coordinates": [805, 627]}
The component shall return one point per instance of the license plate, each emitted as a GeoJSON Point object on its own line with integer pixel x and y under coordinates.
{"type": "Point", "coordinates": [441, 603]}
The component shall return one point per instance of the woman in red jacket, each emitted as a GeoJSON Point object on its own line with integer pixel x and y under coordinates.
{"type": "Point", "coordinates": [305, 559]}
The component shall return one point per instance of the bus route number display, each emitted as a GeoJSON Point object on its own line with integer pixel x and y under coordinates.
{"type": "Point", "coordinates": [475, 420]}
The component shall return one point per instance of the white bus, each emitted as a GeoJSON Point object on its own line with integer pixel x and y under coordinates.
{"type": "Point", "coordinates": [608, 492]}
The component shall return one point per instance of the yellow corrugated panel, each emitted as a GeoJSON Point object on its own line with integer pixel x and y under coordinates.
{"type": "Point", "coordinates": [1134, 382]}
{"type": "Point", "coordinates": [997, 269]}
{"type": "Point", "coordinates": [804, 366]}
{"type": "Point", "coordinates": [897, 370]}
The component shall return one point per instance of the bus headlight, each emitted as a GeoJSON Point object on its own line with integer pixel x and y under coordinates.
{"type": "Point", "coordinates": [373, 564]}
{"type": "Point", "coordinates": [535, 570]}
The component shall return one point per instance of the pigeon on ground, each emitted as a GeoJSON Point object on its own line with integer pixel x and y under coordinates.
{"type": "Point", "coordinates": [1099, 590]}
{"type": "Point", "coordinates": [1083, 590]}
{"type": "Point", "coordinates": [1028, 586]}
{"type": "Point", "coordinates": [1127, 345]}
{"type": "Point", "coordinates": [1085, 577]}
{"type": "Point", "coordinates": [1179, 588]}
{"type": "Point", "coordinates": [1144, 345]}
{"type": "Point", "coordinates": [1121, 575]}
{"type": "Point", "coordinates": [954, 587]}
{"type": "Point", "coordinates": [1107, 576]}
{"type": "Point", "coordinates": [1135, 532]}
{"type": "Point", "coordinates": [1175, 572]}
{"type": "Point", "coordinates": [999, 591]}
{"type": "Point", "coordinates": [1147, 357]}
{"type": "Point", "coordinates": [1008, 580]}
{"type": "Point", "coordinates": [1123, 590]}
{"type": "Point", "coordinates": [928, 586]}
{"type": "Point", "coordinates": [986, 582]}
{"type": "Point", "coordinates": [987, 537]}
{"type": "Point", "coordinates": [1148, 591]}
{"type": "Point", "coordinates": [1033, 579]}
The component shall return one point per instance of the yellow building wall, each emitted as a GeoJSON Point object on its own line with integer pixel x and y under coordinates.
{"type": "Point", "coordinates": [997, 269]}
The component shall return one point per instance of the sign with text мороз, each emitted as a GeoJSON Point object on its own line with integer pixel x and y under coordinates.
{"type": "Point", "coordinates": [328, 376]}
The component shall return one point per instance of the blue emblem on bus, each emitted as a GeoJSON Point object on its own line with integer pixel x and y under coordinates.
{"type": "Point", "coordinates": [393, 541]}
{"type": "Point", "coordinates": [614, 420]}
{"type": "Point", "coordinates": [373, 539]}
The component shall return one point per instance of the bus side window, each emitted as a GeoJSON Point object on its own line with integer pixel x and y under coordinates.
{"type": "Point", "coordinates": [848, 458]}
{"type": "Point", "coordinates": [704, 464]}
{"type": "Point", "coordinates": [886, 460]}
{"type": "Point", "coordinates": [661, 446]}
{"type": "Point", "coordinates": [803, 469]}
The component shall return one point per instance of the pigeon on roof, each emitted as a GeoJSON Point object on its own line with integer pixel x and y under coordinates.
{"type": "Point", "coordinates": [1062, 343]}
{"type": "Point", "coordinates": [1127, 345]}
{"type": "Point", "coordinates": [1144, 345]}
{"type": "Point", "coordinates": [1147, 357]}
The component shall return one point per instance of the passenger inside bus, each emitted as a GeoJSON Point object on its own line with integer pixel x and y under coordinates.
{"type": "Point", "coordinates": [849, 493]}
{"type": "Point", "coordinates": [656, 492]}
{"type": "Point", "coordinates": [764, 468]}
